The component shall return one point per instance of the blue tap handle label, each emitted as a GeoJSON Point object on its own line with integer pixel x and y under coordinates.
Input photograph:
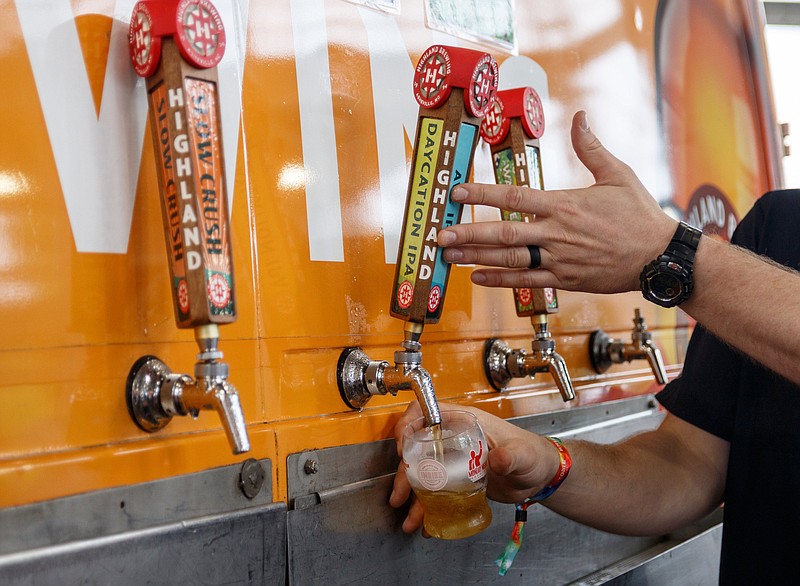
{"type": "Point", "coordinates": [462, 164]}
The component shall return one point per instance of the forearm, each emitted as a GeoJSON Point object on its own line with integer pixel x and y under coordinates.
{"type": "Point", "coordinates": [650, 484]}
{"type": "Point", "coordinates": [751, 304]}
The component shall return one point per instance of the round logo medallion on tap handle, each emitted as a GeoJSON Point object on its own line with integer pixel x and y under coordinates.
{"type": "Point", "coordinates": [176, 45]}
{"type": "Point", "coordinates": [455, 88]}
{"type": "Point", "coordinates": [512, 128]}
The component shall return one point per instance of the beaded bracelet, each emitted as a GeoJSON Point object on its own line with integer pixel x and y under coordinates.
{"type": "Point", "coordinates": [521, 509]}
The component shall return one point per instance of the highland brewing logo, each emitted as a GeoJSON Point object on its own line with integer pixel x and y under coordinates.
{"type": "Point", "coordinates": [494, 126]}
{"type": "Point", "coordinates": [430, 78]}
{"type": "Point", "coordinates": [483, 87]}
{"type": "Point", "coordinates": [534, 113]}
{"type": "Point", "coordinates": [200, 33]}
{"type": "Point", "coordinates": [711, 211]}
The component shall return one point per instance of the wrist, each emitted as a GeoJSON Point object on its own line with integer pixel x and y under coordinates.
{"type": "Point", "coordinates": [668, 280]}
{"type": "Point", "coordinates": [560, 463]}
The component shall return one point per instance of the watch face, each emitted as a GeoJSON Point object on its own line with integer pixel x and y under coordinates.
{"type": "Point", "coordinates": [665, 286]}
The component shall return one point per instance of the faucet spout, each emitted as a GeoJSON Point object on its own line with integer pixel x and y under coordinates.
{"type": "Point", "coordinates": [360, 379]}
{"type": "Point", "coordinates": [410, 376]}
{"type": "Point", "coordinates": [545, 359]}
{"type": "Point", "coordinates": [653, 356]}
{"type": "Point", "coordinates": [215, 393]}
{"type": "Point", "coordinates": [422, 385]}
{"type": "Point", "coordinates": [557, 368]}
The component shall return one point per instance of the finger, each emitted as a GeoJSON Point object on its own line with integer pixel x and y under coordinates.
{"type": "Point", "coordinates": [414, 518]}
{"type": "Point", "coordinates": [520, 278]}
{"type": "Point", "coordinates": [512, 257]}
{"type": "Point", "coordinates": [411, 413]}
{"type": "Point", "coordinates": [401, 489]}
{"type": "Point", "coordinates": [501, 461]}
{"type": "Point", "coordinates": [494, 233]}
{"type": "Point", "coordinates": [505, 197]}
{"type": "Point", "coordinates": [605, 167]}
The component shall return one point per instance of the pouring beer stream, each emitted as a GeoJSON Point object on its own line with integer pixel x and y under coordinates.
{"type": "Point", "coordinates": [454, 88]}
{"type": "Point", "coordinates": [176, 45]}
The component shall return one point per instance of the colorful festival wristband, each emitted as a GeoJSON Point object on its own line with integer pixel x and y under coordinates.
{"type": "Point", "coordinates": [564, 465]}
{"type": "Point", "coordinates": [521, 515]}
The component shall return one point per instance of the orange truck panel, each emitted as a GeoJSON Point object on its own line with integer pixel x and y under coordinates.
{"type": "Point", "coordinates": [317, 140]}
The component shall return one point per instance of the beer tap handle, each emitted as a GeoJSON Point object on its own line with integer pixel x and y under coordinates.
{"type": "Point", "coordinates": [454, 88]}
{"type": "Point", "coordinates": [176, 45]}
{"type": "Point", "coordinates": [512, 128]}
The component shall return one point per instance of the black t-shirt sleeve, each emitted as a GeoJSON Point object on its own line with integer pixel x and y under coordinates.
{"type": "Point", "coordinates": [706, 393]}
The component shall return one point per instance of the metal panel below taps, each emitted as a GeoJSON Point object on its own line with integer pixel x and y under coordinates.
{"type": "Point", "coordinates": [339, 517]}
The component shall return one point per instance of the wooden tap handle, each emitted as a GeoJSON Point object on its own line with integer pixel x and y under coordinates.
{"type": "Point", "coordinates": [512, 127]}
{"type": "Point", "coordinates": [190, 165]}
{"type": "Point", "coordinates": [454, 87]}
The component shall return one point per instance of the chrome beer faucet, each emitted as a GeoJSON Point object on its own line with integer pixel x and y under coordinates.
{"type": "Point", "coordinates": [502, 363]}
{"type": "Point", "coordinates": [156, 394]}
{"type": "Point", "coordinates": [360, 378]}
{"type": "Point", "coordinates": [605, 351]}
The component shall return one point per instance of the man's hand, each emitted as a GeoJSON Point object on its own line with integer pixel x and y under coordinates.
{"type": "Point", "coordinates": [595, 239]}
{"type": "Point", "coordinates": [520, 462]}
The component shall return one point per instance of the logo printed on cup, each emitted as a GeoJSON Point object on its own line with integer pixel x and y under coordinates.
{"type": "Point", "coordinates": [432, 474]}
{"type": "Point", "coordinates": [477, 463]}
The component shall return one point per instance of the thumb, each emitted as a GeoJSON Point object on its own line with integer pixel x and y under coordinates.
{"type": "Point", "coordinates": [605, 167]}
{"type": "Point", "coordinates": [502, 461]}
{"type": "Point", "coordinates": [515, 458]}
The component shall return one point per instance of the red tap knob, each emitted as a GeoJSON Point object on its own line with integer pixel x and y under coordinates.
{"type": "Point", "coordinates": [195, 25]}
{"type": "Point", "coordinates": [522, 104]}
{"type": "Point", "coordinates": [441, 68]}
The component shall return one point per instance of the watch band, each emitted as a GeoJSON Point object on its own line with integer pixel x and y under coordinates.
{"type": "Point", "coordinates": [684, 244]}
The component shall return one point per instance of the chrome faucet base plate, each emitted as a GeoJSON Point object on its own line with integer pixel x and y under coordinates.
{"type": "Point", "coordinates": [142, 393]}
{"type": "Point", "coordinates": [495, 363]}
{"type": "Point", "coordinates": [598, 351]}
{"type": "Point", "coordinates": [350, 371]}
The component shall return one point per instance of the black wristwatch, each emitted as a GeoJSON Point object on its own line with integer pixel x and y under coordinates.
{"type": "Point", "coordinates": [667, 281]}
